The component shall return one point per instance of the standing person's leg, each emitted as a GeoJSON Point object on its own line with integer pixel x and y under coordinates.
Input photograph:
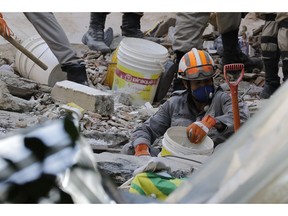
{"type": "Point", "coordinates": [94, 37]}
{"type": "Point", "coordinates": [131, 25]}
{"type": "Point", "coordinates": [53, 34]}
{"type": "Point", "coordinates": [228, 26]}
{"type": "Point", "coordinates": [271, 56]}
{"type": "Point", "coordinates": [283, 42]}
{"type": "Point", "coordinates": [189, 29]}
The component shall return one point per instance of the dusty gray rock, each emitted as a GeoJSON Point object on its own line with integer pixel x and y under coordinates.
{"type": "Point", "coordinates": [11, 121]}
{"type": "Point", "coordinates": [11, 103]}
{"type": "Point", "coordinates": [120, 167]}
{"type": "Point", "coordinates": [111, 140]}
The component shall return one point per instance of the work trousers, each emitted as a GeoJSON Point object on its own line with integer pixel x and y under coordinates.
{"type": "Point", "coordinates": [189, 28]}
{"type": "Point", "coordinates": [53, 34]}
{"type": "Point", "coordinates": [274, 38]}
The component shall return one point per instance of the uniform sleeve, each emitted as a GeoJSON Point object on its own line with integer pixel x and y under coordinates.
{"type": "Point", "coordinates": [154, 127]}
{"type": "Point", "coordinates": [225, 115]}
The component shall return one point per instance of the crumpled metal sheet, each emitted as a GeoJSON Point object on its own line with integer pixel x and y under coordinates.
{"type": "Point", "coordinates": [50, 163]}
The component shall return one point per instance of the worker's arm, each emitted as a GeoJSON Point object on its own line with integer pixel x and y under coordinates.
{"type": "Point", "coordinates": [4, 29]}
{"type": "Point", "coordinates": [153, 128]}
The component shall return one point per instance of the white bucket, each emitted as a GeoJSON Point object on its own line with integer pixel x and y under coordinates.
{"type": "Point", "coordinates": [139, 67]}
{"type": "Point", "coordinates": [175, 142]}
{"type": "Point", "coordinates": [30, 70]}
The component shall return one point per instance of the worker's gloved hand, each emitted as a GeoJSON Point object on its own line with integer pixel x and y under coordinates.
{"type": "Point", "coordinates": [4, 29]}
{"type": "Point", "coordinates": [198, 130]}
{"type": "Point", "coordinates": [142, 150]}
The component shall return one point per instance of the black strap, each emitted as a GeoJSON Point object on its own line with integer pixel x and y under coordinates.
{"type": "Point", "coordinates": [269, 39]}
{"type": "Point", "coordinates": [270, 17]}
{"type": "Point", "coordinates": [284, 54]}
{"type": "Point", "coordinates": [283, 24]}
{"type": "Point", "coordinates": [270, 54]}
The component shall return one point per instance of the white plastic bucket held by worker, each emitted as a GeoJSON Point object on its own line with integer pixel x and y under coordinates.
{"type": "Point", "coordinates": [175, 142]}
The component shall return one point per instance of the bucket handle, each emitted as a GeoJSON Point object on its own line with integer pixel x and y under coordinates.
{"type": "Point", "coordinates": [162, 63]}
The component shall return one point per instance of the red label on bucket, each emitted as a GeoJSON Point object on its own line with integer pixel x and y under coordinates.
{"type": "Point", "coordinates": [133, 79]}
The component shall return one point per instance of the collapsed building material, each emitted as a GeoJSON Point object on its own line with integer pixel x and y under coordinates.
{"type": "Point", "coordinates": [88, 98]}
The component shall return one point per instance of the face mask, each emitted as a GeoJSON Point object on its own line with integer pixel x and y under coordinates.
{"type": "Point", "coordinates": [203, 94]}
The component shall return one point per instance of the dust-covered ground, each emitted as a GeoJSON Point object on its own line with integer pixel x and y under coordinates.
{"type": "Point", "coordinates": [26, 104]}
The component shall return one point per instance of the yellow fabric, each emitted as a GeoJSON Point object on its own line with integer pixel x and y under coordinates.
{"type": "Point", "coordinates": [152, 184]}
{"type": "Point", "coordinates": [164, 152]}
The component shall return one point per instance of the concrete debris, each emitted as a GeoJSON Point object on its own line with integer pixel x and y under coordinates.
{"type": "Point", "coordinates": [12, 103]}
{"type": "Point", "coordinates": [88, 98]}
{"type": "Point", "coordinates": [121, 167]}
{"type": "Point", "coordinates": [109, 118]}
{"type": "Point", "coordinates": [260, 81]}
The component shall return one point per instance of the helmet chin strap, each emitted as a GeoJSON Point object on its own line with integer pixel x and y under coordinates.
{"type": "Point", "coordinates": [188, 86]}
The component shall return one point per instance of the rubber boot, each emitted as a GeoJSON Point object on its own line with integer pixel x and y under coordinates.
{"type": "Point", "coordinates": [233, 54]}
{"type": "Point", "coordinates": [108, 37]}
{"type": "Point", "coordinates": [94, 37]}
{"type": "Point", "coordinates": [131, 27]}
{"type": "Point", "coordinates": [272, 80]}
{"type": "Point", "coordinates": [76, 73]}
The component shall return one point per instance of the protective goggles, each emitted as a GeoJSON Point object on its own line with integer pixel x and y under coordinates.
{"type": "Point", "coordinates": [198, 72]}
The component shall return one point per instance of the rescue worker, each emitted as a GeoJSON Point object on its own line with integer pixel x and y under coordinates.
{"type": "Point", "coordinates": [274, 45]}
{"type": "Point", "coordinates": [189, 29]}
{"type": "Point", "coordinates": [53, 34]}
{"type": "Point", "coordinates": [94, 37]}
{"type": "Point", "coordinates": [202, 108]}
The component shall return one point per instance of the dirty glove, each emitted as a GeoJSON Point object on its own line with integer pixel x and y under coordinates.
{"type": "Point", "coordinates": [198, 130]}
{"type": "Point", "coordinates": [4, 29]}
{"type": "Point", "coordinates": [142, 150]}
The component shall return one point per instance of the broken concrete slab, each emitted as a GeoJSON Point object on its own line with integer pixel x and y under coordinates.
{"type": "Point", "coordinates": [260, 81]}
{"type": "Point", "coordinates": [120, 167]}
{"type": "Point", "coordinates": [19, 86]}
{"type": "Point", "coordinates": [110, 140]}
{"type": "Point", "coordinates": [88, 98]}
{"type": "Point", "coordinates": [249, 76]}
{"type": "Point", "coordinates": [164, 27]}
{"type": "Point", "coordinates": [11, 103]}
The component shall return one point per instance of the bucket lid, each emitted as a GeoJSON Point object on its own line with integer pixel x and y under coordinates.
{"type": "Point", "coordinates": [144, 47]}
{"type": "Point", "coordinates": [146, 61]}
{"type": "Point", "coordinates": [176, 141]}
{"type": "Point", "coordinates": [139, 64]}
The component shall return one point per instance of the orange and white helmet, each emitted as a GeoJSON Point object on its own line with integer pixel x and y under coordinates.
{"type": "Point", "coordinates": [196, 65]}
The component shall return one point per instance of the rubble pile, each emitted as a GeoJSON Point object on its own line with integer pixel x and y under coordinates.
{"type": "Point", "coordinates": [104, 133]}
{"type": "Point", "coordinates": [25, 104]}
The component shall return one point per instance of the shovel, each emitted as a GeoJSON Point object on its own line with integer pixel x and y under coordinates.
{"type": "Point", "coordinates": [236, 70]}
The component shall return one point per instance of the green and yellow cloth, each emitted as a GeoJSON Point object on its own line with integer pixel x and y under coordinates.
{"type": "Point", "coordinates": [153, 184]}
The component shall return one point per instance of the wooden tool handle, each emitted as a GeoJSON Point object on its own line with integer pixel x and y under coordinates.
{"type": "Point", "coordinates": [26, 52]}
